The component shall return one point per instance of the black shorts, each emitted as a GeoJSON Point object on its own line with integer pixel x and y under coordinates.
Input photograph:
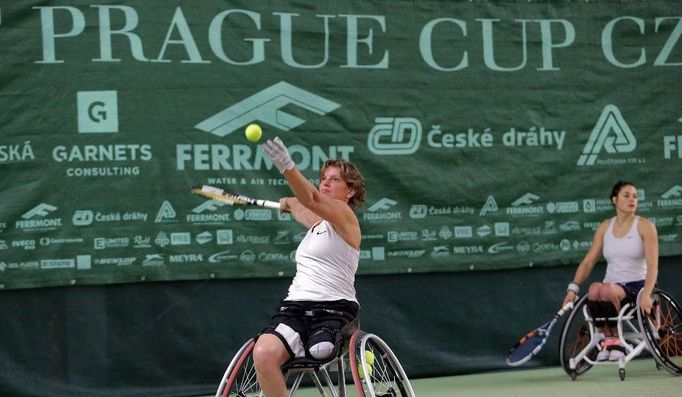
{"type": "Point", "coordinates": [631, 290]}
{"type": "Point", "coordinates": [296, 321]}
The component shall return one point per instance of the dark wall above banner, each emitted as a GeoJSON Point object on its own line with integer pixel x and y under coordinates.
{"type": "Point", "coordinates": [490, 133]}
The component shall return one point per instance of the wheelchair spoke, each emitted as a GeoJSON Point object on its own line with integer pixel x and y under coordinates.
{"type": "Point", "coordinates": [240, 378]}
{"type": "Point", "coordinates": [671, 338]}
{"type": "Point", "coordinates": [575, 339]}
{"type": "Point", "coordinates": [384, 376]}
{"type": "Point", "coordinates": [663, 331]}
{"type": "Point", "coordinates": [247, 385]}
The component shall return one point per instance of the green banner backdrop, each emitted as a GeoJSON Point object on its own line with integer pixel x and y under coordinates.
{"type": "Point", "coordinates": [490, 133]}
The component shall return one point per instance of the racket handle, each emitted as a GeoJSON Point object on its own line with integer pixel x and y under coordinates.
{"type": "Point", "coordinates": [567, 307]}
{"type": "Point", "coordinates": [268, 204]}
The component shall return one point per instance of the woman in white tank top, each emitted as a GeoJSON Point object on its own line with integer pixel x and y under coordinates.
{"type": "Point", "coordinates": [326, 262]}
{"type": "Point", "coordinates": [629, 243]}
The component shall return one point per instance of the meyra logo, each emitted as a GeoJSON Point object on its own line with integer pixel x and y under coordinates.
{"type": "Point", "coordinates": [265, 107]}
{"type": "Point", "coordinates": [395, 136]}
{"type": "Point", "coordinates": [379, 211]}
{"type": "Point", "coordinates": [611, 133]}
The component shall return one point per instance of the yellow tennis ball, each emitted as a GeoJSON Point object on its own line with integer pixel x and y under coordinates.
{"type": "Point", "coordinates": [362, 373]}
{"type": "Point", "coordinates": [253, 132]}
{"type": "Point", "coordinates": [369, 357]}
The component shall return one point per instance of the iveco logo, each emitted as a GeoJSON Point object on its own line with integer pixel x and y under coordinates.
{"type": "Point", "coordinates": [265, 107]}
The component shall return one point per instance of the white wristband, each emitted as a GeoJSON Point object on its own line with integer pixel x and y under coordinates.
{"type": "Point", "coordinates": [573, 287]}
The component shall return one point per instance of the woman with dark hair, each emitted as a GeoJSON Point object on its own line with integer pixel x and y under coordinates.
{"type": "Point", "coordinates": [629, 243]}
{"type": "Point", "coordinates": [321, 298]}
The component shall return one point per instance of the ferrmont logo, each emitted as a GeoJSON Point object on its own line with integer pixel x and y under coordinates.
{"type": "Point", "coordinates": [265, 107]}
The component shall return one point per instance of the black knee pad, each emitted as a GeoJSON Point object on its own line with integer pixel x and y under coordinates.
{"type": "Point", "coordinates": [594, 307]}
{"type": "Point", "coordinates": [608, 310]}
{"type": "Point", "coordinates": [322, 334]}
{"type": "Point", "coordinates": [321, 343]}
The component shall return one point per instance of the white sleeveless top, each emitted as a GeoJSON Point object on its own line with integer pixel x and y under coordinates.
{"type": "Point", "coordinates": [624, 255]}
{"type": "Point", "coordinates": [325, 266]}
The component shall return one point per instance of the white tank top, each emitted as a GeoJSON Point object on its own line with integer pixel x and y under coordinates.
{"type": "Point", "coordinates": [325, 266]}
{"type": "Point", "coordinates": [624, 255]}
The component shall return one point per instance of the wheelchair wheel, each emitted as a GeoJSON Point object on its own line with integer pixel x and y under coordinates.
{"type": "Point", "coordinates": [663, 331]}
{"type": "Point", "coordinates": [575, 336]}
{"type": "Point", "coordinates": [240, 377]}
{"type": "Point", "coordinates": [375, 369]}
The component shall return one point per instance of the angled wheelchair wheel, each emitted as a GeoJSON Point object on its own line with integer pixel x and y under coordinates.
{"type": "Point", "coordinates": [375, 369]}
{"type": "Point", "coordinates": [240, 378]}
{"type": "Point", "coordinates": [575, 338]}
{"type": "Point", "coordinates": [663, 331]}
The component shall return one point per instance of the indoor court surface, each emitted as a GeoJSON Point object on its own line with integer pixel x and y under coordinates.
{"type": "Point", "coordinates": [642, 379]}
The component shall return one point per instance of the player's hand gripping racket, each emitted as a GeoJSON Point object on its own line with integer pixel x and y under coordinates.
{"type": "Point", "coordinates": [215, 193]}
{"type": "Point", "coordinates": [531, 344]}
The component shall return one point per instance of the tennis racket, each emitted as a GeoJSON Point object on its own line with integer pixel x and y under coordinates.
{"type": "Point", "coordinates": [531, 344]}
{"type": "Point", "coordinates": [214, 193]}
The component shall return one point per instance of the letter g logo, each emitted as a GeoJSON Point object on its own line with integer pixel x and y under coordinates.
{"type": "Point", "coordinates": [97, 112]}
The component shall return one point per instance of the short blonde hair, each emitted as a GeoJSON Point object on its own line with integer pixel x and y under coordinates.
{"type": "Point", "coordinates": [353, 178]}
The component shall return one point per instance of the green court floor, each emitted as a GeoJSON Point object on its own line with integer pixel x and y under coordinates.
{"type": "Point", "coordinates": [642, 379]}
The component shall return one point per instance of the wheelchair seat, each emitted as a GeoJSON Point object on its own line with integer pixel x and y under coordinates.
{"type": "Point", "coordinates": [659, 333]}
{"type": "Point", "coordinates": [363, 357]}
{"type": "Point", "coordinates": [341, 343]}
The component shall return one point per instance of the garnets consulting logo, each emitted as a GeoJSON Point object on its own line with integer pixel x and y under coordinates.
{"type": "Point", "coordinates": [611, 133]}
{"type": "Point", "coordinates": [97, 112]}
{"type": "Point", "coordinates": [394, 135]}
{"type": "Point", "coordinates": [265, 107]}
{"type": "Point", "coordinates": [36, 219]}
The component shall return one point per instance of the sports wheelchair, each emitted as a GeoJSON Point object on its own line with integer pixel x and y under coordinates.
{"type": "Point", "coordinates": [364, 357]}
{"type": "Point", "coordinates": [660, 333]}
